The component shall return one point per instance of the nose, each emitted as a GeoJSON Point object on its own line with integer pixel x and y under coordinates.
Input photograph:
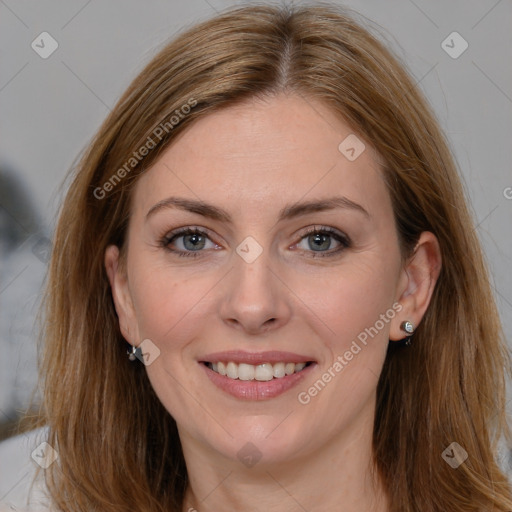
{"type": "Point", "coordinates": [254, 299]}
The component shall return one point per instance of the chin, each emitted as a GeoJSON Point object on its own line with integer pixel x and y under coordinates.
{"type": "Point", "coordinates": [262, 440]}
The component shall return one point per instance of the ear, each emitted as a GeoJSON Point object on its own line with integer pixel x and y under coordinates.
{"type": "Point", "coordinates": [118, 279]}
{"type": "Point", "coordinates": [416, 283]}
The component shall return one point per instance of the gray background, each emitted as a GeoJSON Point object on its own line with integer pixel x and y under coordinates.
{"type": "Point", "coordinates": [50, 108]}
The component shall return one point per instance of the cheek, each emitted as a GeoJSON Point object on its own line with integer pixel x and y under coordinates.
{"type": "Point", "coordinates": [168, 305]}
{"type": "Point", "coordinates": [352, 299]}
{"type": "Point", "coordinates": [357, 307]}
{"type": "Point", "coordinates": [356, 303]}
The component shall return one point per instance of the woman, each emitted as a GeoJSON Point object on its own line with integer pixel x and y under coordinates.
{"type": "Point", "coordinates": [266, 292]}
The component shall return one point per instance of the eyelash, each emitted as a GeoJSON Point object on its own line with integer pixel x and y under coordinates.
{"type": "Point", "coordinates": [342, 239]}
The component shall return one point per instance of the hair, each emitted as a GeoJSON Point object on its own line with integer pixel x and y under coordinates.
{"type": "Point", "coordinates": [119, 447]}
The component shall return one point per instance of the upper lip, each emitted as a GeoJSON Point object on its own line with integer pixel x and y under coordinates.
{"type": "Point", "coordinates": [255, 358]}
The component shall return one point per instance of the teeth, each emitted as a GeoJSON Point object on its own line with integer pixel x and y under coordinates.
{"type": "Point", "coordinates": [261, 372]}
{"type": "Point", "coordinates": [221, 368]}
{"type": "Point", "coordinates": [279, 370]}
{"type": "Point", "coordinates": [232, 370]}
{"type": "Point", "coordinates": [245, 371]}
{"type": "Point", "coordinates": [264, 372]}
{"type": "Point", "coordinates": [289, 368]}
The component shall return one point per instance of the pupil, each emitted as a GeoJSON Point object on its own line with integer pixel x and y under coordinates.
{"type": "Point", "coordinates": [319, 239]}
{"type": "Point", "coordinates": [195, 241]}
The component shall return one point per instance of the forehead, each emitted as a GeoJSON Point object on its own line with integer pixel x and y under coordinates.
{"type": "Point", "coordinates": [261, 154]}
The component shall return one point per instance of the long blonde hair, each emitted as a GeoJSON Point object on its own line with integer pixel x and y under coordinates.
{"type": "Point", "coordinates": [119, 448]}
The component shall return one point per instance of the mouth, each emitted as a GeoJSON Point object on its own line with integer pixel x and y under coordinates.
{"type": "Point", "coordinates": [256, 376]}
{"type": "Point", "coordinates": [263, 372]}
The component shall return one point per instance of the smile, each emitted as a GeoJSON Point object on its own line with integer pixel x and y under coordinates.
{"type": "Point", "coordinates": [256, 375]}
{"type": "Point", "coordinates": [262, 372]}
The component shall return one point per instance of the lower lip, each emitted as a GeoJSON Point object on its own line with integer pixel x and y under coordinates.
{"type": "Point", "coordinates": [253, 389]}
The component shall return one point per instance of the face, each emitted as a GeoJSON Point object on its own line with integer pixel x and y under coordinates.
{"type": "Point", "coordinates": [255, 241]}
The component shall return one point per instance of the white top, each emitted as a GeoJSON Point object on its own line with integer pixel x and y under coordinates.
{"type": "Point", "coordinates": [20, 457]}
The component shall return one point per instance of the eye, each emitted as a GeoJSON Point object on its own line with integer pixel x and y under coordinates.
{"type": "Point", "coordinates": [188, 242]}
{"type": "Point", "coordinates": [321, 240]}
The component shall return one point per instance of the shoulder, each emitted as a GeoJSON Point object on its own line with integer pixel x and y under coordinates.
{"type": "Point", "coordinates": [20, 458]}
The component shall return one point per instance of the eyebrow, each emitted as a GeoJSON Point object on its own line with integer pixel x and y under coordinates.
{"type": "Point", "coordinates": [288, 212]}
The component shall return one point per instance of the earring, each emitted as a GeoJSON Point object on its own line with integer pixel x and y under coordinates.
{"type": "Point", "coordinates": [132, 353]}
{"type": "Point", "coordinates": [407, 327]}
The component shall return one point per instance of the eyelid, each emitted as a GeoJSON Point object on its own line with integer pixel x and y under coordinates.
{"type": "Point", "coordinates": [184, 231]}
{"type": "Point", "coordinates": [343, 240]}
{"type": "Point", "coordinates": [324, 229]}
{"type": "Point", "coordinates": [187, 230]}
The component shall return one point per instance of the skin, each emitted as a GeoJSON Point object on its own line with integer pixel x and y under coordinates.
{"type": "Point", "coordinates": [251, 160]}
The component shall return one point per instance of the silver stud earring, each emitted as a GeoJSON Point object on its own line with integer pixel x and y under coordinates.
{"type": "Point", "coordinates": [407, 327]}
